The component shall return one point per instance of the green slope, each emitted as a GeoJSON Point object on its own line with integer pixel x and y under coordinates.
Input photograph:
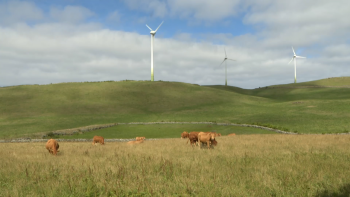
{"type": "Point", "coordinates": [333, 81]}
{"type": "Point", "coordinates": [30, 109]}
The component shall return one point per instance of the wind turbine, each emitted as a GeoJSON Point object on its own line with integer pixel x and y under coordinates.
{"type": "Point", "coordinates": [226, 66]}
{"type": "Point", "coordinates": [295, 64]}
{"type": "Point", "coordinates": [153, 33]}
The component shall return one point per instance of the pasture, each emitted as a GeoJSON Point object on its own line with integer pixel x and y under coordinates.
{"type": "Point", "coordinates": [242, 165]}
{"type": "Point", "coordinates": [31, 109]}
{"type": "Point", "coordinates": [163, 131]}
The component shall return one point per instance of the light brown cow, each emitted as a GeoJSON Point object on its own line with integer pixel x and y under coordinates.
{"type": "Point", "coordinates": [192, 138]}
{"type": "Point", "coordinates": [98, 139]}
{"type": "Point", "coordinates": [140, 138]}
{"type": "Point", "coordinates": [135, 142]}
{"type": "Point", "coordinates": [232, 134]}
{"type": "Point", "coordinates": [184, 135]}
{"type": "Point", "coordinates": [52, 146]}
{"type": "Point", "coordinates": [205, 138]}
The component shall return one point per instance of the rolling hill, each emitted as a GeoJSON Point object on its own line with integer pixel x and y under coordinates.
{"type": "Point", "coordinates": [30, 109]}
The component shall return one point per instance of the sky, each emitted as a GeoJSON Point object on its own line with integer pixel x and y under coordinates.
{"type": "Point", "coordinates": [58, 41]}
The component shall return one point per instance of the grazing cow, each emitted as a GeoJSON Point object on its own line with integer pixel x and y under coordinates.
{"type": "Point", "coordinates": [98, 139]}
{"type": "Point", "coordinates": [193, 138]}
{"type": "Point", "coordinates": [184, 135]}
{"type": "Point", "coordinates": [206, 138]}
{"type": "Point", "coordinates": [52, 146]}
{"type": "Point", "coordinates": [213, 142]}
{"type": "Point", "coordinates": [135, 142]}
{"type": "Point", "coordinates": [140, 138]}
{"type": "Point", "coordinates": [232, 134]}
{"type": "Point", "coordinates": [216, 134]}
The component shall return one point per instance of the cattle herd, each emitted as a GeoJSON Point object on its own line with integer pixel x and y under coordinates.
{"type": "Point", "coordinates": [195, 139]}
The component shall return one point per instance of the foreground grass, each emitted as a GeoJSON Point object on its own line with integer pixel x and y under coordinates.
{"type": "Point", "coordinates": [244, 165]}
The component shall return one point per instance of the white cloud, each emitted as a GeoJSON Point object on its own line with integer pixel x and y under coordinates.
{"type": "Point", "coordinates": [69, 49]}
{"type": "Point", "coordinates": [18, 11]}
{"type": "Point", "coordinates": [71, 14]}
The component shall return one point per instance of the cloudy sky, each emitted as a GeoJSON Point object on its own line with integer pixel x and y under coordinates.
{"type": "Point", "coordinates": [43, 42]}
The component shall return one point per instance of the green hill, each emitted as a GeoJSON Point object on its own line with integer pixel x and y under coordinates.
{"type": "Point", "coordinates": [30, 109]}
{"type": "Point", "coordinates": [330, 82]}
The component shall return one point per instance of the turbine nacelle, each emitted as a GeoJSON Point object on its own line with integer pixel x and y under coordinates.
{"type": "Point", "coordinates": [294, 56]}
{"type": "Point", "coordinates": [153, 32]}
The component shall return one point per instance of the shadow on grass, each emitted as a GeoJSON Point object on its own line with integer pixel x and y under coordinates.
{"type": "Point", "coordinates": [343, 191]}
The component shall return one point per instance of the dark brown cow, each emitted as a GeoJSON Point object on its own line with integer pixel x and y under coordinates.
{"type": "Point", "coordinates": [213, 142]}
{"type": "Point", "coordinates": [184, 135]}
{"type": "Point", "coordinates": [193, 138]}
{"type": "Point", "coordinates": [205, 138]}
{"type": "Point", "coordinates": [52, 146]}
{"type": "Point", "coordinates": [98, 139]}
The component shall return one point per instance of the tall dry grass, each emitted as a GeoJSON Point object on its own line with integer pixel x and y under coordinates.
{"type": "Point", "coordinates": [243, 165]}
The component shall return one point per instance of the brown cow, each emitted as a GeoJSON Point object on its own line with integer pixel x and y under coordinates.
{"type": "Point", "coordinates": [140, 138]}
{"type": "Point", "coordinates": [206, 138]}
{"type": "Point", "coordinates": [52, 146]}
{"type": "Point", "coordinates": [216, 134]}
{"type": "Point", "coordinates": [213, 142]}
{"type": "Point", "coordinates": [98, 139]}
{"type": "Point", "coordinates": [232, 134]}
{"type": "Point", "coordinates": [184, 135]}
{"type": "Point", "coordinates": [135, 142]}
{"type": "Point", "coordinates": [193, 138]}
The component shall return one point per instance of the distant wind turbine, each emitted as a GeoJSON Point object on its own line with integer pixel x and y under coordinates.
{"type": "Point", "coordinates": [226, 66]}
{"type": "Point", "coordinates": [295, 64]}
{"type": "Point", "coordinates": [153, 33]}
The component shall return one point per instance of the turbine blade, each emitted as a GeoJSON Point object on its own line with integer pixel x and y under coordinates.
{"type": "Point", "coordinates": [291, 60]}
{"type": "Point", "coordinates": [300, 57]}
{"type": "Point", "coordinates": [293, 50]}
{"type": "Point", "coordinates": [149, 27]}
{"type": "Point", "coordinates": [231, 59]}
{"type": "Point", "coordinates": [225, 52]}
{"type": "Point", "coordinates": [222, 62]}
{"type": "Point", "coordinates": [159, 26]}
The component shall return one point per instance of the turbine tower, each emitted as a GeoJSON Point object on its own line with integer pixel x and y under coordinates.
{"type": "Point", "coordinates": [153, 33]}
{"type": "Point", "coordinates": [295, 64]}
{"type": "Point", "coordinates": [226, 66]}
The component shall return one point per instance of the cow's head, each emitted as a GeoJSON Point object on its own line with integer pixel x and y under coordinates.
{"type": "Point", "coordinates": [212, 136]}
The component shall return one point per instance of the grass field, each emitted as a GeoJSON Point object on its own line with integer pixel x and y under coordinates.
{"type": "Point", "coordinates": [163, 131]}
{"type": "Point", "coordinates": [30, 109]}
{"type": "Point", "coordinates": [243, 165]}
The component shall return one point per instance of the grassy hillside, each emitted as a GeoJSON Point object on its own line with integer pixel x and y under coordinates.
{"type": "Point", "coordinates": [31, 109]}
{"type": "Point", "coordinates": [333, 81]}
{"type": "Point", "coordinates": [163, 131]}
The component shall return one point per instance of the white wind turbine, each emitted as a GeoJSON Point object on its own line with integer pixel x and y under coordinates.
{"type": "Point", "coordinates": [295, 64]}
{"type": "Point", "coordinates": [226, 66]}
{"type": "Point", "coordinates": [152, 38]}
